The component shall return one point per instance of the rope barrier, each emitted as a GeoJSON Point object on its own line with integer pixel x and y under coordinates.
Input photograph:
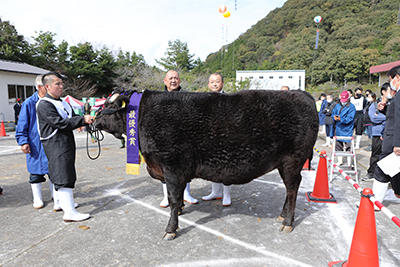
{"type": "Point", "coordinates": [385, 210]}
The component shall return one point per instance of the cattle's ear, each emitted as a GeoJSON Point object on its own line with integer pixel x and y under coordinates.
{"type": "Point", "coordinates": [123, 101]}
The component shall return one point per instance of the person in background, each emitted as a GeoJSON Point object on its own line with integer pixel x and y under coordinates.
{"type": "Point", "coordinates": [350, 92]}
{"type": "Point", "coordinates": [27, 137]}
{"type": "Point", "coordinates": [285, 88]}
{"type": "Point", "coordinates": [87, 107]}
{"type": "Point", "coordinates": [360, 102]}
{"type": "Point", "coordinates": [343, 114]}
{"type": "Point", "coordinates": [17, 110]}
{"type": "Point", "coordinates": [172, 83]}
{"type": "Point", "coordinates": [391, 137]}
{"type": "Point", "coordinates": [321, 104]}
{"type": "Point", "coordinates": [378, 125]}
{"type": "Point", "coordinates": [329, 122]}
{"type": "Point", "coordinates": [218, 190]}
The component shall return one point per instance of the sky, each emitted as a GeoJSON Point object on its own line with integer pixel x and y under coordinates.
{"type": "Point", "coordinates": [144, 27]}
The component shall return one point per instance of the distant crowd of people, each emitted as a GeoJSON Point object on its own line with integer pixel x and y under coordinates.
{"type": "Point", "coordinates": [351, 115]}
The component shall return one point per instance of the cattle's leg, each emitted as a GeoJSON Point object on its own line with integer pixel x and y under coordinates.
{"type": "Point", "coordinates": [175, 198]}
{"type": "Point", "coordinates": [291, 178]}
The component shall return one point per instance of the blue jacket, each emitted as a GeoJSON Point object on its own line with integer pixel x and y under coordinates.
{"type": "Point", "coordinates": [345, 126]}
{"type": "Point", "coordinates": [378, 120]}
{"type": "Point", "coordinates": [27, 133]}
{"type": "Point", "coordinates": [321, 114]}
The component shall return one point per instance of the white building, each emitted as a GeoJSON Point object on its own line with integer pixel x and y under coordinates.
{"type": "Point", "coordinates": [273, 79]}
{"type": "Point", "coordinates": [17, 80]}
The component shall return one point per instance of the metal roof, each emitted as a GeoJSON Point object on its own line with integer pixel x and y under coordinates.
{"type": "Point", "coordinates": [12, 66]}
{"type": "Point", "coordinates": [384, 67]}
{"type": "Point", "coordinates": [263, 71]}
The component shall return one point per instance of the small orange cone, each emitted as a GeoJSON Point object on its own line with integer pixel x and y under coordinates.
{"type": "Point", "coordinates": [321, 187]}
{"type": "Point", "coordinates": [364, 246]}
{"type": "Point", "coordinates": [306, 165]}
{"type": "Point", "coordinates": [2, 129]}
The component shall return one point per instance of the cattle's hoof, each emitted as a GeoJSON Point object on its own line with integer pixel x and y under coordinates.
{"type": "Point", "coordinates": [280, 219]}
{"type": "Point", "coordinates": [286, 228]}
{"type": "Point", "coordinates": [169, 236]}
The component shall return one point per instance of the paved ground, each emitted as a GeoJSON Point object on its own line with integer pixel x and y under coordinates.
{"type": "Point", "coordinates": [127, 224]}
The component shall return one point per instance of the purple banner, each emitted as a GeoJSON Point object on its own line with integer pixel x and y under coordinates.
{"type": "Point", "coordinates": [132, 147]}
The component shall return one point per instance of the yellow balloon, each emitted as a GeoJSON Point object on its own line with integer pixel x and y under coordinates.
{"type": "Point", "coordinates": [227, 14]}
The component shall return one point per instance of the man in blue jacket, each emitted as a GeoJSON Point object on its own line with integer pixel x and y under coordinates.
{"type": "Point", "coordinates": [28, 138]}
{"type": "Point", "coordinates": [343, 114]}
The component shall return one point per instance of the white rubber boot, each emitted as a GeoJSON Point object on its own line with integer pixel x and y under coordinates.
{"type": "Point", "coordinates": [340, 161]}
{"type": "Point", "coordinates": [226, 201]}
{"type": "Point", "coordinates": [66, 198]}
{"type": "Point", "coordinates": [328, 141]}
{"type": "Point", "coordinates": [164, 202]}
{"type": "Point", "coordinates": [37, 195]}
{"type": "Point", "coordinates": [379, 190]}
{"type": "Point", "coordinates": [187, 197]}
{"type": "Point", "coordinates": [358, 141]}
{"type": "Point", "coordinates": [56, 201]}
{"type": "Point", "coordinates": [349, 161]}
{"type": "Point", "coordinates": [51, 188]}
{"type": "Point", "coordinates": [216, 192]}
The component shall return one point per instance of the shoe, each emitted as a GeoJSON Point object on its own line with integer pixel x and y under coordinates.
{"type": "Point", "coordinates": [187, 197]}
{"type": "Point", "coordinates": [37, 196]}
{"type": "Point", "coordinates": [67, 203]}
{"type": "Point", "coordinates": [216, 192]}
{"type": "Point", "coordinates": [164, 202]}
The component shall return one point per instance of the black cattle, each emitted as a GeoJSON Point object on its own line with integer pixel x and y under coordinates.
{"type": "Point", "coordinates": [224, 138]}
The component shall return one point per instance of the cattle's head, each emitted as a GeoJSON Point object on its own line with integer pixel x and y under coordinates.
{"type": "Point", "coordinates": [112, 117]}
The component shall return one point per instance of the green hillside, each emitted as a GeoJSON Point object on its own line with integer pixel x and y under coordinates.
{"type": "Point", "coordinates": [354, 35]}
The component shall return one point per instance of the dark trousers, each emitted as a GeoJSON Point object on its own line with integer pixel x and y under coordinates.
{"type": "Point", "coordinates": [375, 152]}
{"type": "Point", "coordinates": [342, 146]}
{"type": "Point", "coordinates": [36, 178]}
{"type": "Point", "coordinates": [358, 123]}
{"type": "Point", "coordinates": [379, 175]}
{"type": "Point", "coordinates": [329, 130]}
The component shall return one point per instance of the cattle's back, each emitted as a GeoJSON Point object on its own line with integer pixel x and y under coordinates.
{"type": "Point", "coordinates": [229, 137]}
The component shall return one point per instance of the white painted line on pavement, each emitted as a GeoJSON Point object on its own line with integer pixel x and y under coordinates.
{"type": "Point", "coordinates": [225, 262]}
{"type": "Point", "coordinates": [212, 231]}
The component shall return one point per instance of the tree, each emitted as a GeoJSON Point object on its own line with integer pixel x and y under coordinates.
{"type": "Point", "coordinates": [44, 51]}
{"type": "Point", "coordinates": [12, 45]}
{"type": "Point", "coordinates": [177, 57]}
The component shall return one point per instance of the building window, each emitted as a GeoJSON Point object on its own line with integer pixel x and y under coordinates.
{"type": "Point", "coordinates": [271, 77]}
{"type": "Point", "coordinates": [261, 77]}
{"type": "Point", "coordinates": [280, 77]}
{"type": "Point", "coordinates": [251, 77]}
{"type": "Point", "coordinates": [19, 91]}
{"type": "Point", "coordinates": [290, 77]}
{"type": "Point", "coordinates": [29, 90]}
{"type": "Point", "coordinates": [12, 93]}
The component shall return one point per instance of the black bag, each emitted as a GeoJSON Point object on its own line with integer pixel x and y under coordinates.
{"type": "Point", "coordinates": [366, 118]}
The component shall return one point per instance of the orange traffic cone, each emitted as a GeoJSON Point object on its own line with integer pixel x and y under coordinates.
{"type": "Point", "coordinates": [2, 129]}
{"type": "Point", "coordinates": [364, 246]}
{"type": "Point", "coordinates": [306, 165]}
{"type": "Point", "coordinates": [321, 187]}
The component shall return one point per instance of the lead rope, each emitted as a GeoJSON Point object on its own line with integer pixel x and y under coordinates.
{"type": "Point", "coordinates": [95, 135]}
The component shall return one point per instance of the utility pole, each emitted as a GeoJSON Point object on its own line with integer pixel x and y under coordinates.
{"type": "Point", "coordinates": [398, 16]}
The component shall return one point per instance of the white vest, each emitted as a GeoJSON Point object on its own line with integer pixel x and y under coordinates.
{"type": "Point", "coordinates": [358, 103]}
{"type": "Point", "coordinates": [63, 108]}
